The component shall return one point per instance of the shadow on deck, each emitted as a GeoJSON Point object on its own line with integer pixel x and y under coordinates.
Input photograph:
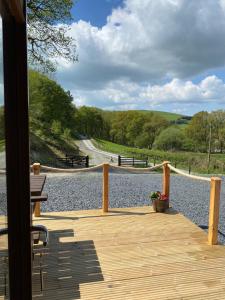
{"type": "Point", "coordinates": [67, 265]}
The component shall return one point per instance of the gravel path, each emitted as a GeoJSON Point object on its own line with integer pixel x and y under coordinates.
{"type": "Point", "coordinates": [83, 191]}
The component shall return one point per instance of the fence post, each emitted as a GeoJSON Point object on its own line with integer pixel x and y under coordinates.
{"type": "Point", "coordinates": [36, 170]}
{"type": "Point", "coordinates": [214, 207]}
{"type": "Point", "coordinates": [87, 161]}
{"type": "Point", "coordinates": [119, 160]}
{"type": "Point", "coordinates": [166, 179]}
{"type": "Point", "coordinates": [105, 188]}
{"type": "Point", "coordinates": [189, 167]}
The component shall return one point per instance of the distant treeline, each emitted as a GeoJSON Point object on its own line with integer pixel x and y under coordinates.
{"type": "Point", "coordinates": [53, 114]}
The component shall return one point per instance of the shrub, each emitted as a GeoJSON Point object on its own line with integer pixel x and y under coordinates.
{"type": "Point", "coordinates": [172, 138]}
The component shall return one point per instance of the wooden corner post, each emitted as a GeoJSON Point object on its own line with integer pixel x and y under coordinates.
{"type": "Point", "coordinates": [36, 170]}
{"type": "Point", "coordinates": [105, 188]}
{"type": "Point", "coordinates": [214, 207]}
{"type": "Point", "coordinates": [166, 179]}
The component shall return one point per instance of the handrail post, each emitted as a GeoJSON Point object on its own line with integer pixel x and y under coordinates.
{"type": "Point", "coordinates": [214, 207]}
{"type": "Point", "coordinates": [105, 188]}
{"type": "Point", "coordinates": [36, 170]}
{"type": "Point", "coordinates": [166, 179]}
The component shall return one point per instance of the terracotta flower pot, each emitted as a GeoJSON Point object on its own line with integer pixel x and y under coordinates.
{"type": "Point", "coordinates": [160, 205]}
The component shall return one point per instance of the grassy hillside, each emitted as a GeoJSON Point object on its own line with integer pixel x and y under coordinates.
{"type": "Point", "coordinates": [46, 150]}
{"type": "Point", "coordinates": [167, 115]}
{"type": "Point", "coordinates": [171, 117]}
{"type": "Point", "coordinates": [183, 160]}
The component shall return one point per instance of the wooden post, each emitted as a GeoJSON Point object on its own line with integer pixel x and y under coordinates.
{"type": "Point", "coordinates": [105, 188]}
{"type": "Point", "coordinates": [119, 160]}
{"type": "Point", "coordinates": [166, 180]}
{"type": "Point", "coordinates": [36, 170]}
{"type": "Point", "coordinates": [189, 167]}
{"type": "Point", "coordinates": [214, 206]}
{"type": "Point", "coordinates": [87, 162]}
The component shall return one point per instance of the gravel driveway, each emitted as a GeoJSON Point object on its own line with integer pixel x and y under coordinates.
{"type": "Point", "coordinates": [84, 191]}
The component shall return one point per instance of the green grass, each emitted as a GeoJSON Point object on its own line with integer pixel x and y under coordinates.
{"type": "Point", "coordinates": [182, 160]}
{"type": "Point", "coordinates": [2, 145]}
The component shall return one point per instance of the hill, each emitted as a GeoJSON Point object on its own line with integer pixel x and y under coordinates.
{"type": "Point", "coordinates": [173, 118]}
{"type": "Point", "coordinates": [167, 115]}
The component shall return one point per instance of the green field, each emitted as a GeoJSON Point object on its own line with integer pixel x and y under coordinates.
{"type": "Point", "coordinates": [183, 160]}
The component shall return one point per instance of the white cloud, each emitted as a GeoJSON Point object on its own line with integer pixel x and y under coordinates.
{"type": "Point", "coordinates": [143, 45]}
{"type": "Point", "coordinates": [176, 95]}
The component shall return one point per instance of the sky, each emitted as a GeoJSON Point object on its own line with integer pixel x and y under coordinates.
{"type": "Point", "coordinates": [166, 55]}
{"type": "Point", "coordinates": [151, 54]}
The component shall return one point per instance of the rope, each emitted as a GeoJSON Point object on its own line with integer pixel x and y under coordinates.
{"type": "Point", "coordinates": [58, 170]}
{"type": "Point", "coordinates": [130, 169]}
{"type": "Point", "coordinates": [137, 170]}
{"type": "Point", "coordinates": [188, 175]}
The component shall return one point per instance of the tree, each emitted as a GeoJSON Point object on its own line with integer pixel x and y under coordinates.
{"type": "Point", "coordinates": [218, 129]}
{"type": "Point", "coordinates": [47, 37]}
{"type": "Point", "coordinates": [49, 104]}
{"type": "Point", "coordinates": [90, 121]}
{"type": "Point", "coordinates": [172, 138]}
{"type": "Point", "coordinates": [198, 130]}
{"type": "Point", "coordinates": [153, 126]}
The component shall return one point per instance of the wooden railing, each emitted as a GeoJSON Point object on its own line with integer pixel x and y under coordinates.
{"type": "Point", "coordinates": [214, 201]}
{"type": "Point", "coordinates": [215, 188]}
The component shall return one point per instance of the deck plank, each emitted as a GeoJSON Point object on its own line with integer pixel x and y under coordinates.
{"type": "Point", "coordinates": [129, 253]}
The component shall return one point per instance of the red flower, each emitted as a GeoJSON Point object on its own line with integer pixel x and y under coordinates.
{"type": "Point", "coordinates": [164, 197]}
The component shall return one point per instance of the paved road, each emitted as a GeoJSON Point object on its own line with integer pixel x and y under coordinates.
{"type": "Point", "coordinates": [96, 156]}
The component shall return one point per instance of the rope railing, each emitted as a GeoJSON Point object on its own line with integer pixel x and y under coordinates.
{"type": "Point", "coordinates": [214, 201]}
{"type": "Point", "coordinates": [59, 170]}
{"type": "Point", "coordinates": [215, 187]}
{"type": "Point", "coordinates": [181, 172]}
{"type": "Point", "coordinates": [137, 170]}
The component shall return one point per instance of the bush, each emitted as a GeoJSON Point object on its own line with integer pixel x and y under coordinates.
{"type": "Point", "coordinates": [171, 139]}
{"type": "Point", "coordinates": [56, 128]}
{"type": "Point", "coordinates": [66, 134]}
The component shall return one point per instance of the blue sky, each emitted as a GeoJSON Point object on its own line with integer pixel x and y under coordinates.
{"type": "Point", "coordinates": [94, 11]}
{"type": "Point", "coordinates": [148, 54]}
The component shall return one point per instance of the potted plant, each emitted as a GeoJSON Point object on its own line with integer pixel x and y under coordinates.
{"type": "Point", "coordinates": [160, 202]}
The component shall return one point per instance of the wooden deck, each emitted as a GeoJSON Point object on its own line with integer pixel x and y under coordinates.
{"type": "Point", "coordinates": [130, 253]}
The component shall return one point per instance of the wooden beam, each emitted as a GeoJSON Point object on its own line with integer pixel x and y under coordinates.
{"type": "Point", "coordinates": [215, 188]}
{"type": "Point", "coordinates": [166, 179]}
{"type": "Point", "coordinates": [105, 188]}
{"type": "Point", "coordinates": [36, 170]}
{"type": "Point", "coordinates": [15, 8]}
{"type": "Point", "coordinates": [17, 156]}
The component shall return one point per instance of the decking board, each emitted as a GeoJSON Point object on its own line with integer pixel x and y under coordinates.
{"type": "Point", "coordinates": [130, 253]}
